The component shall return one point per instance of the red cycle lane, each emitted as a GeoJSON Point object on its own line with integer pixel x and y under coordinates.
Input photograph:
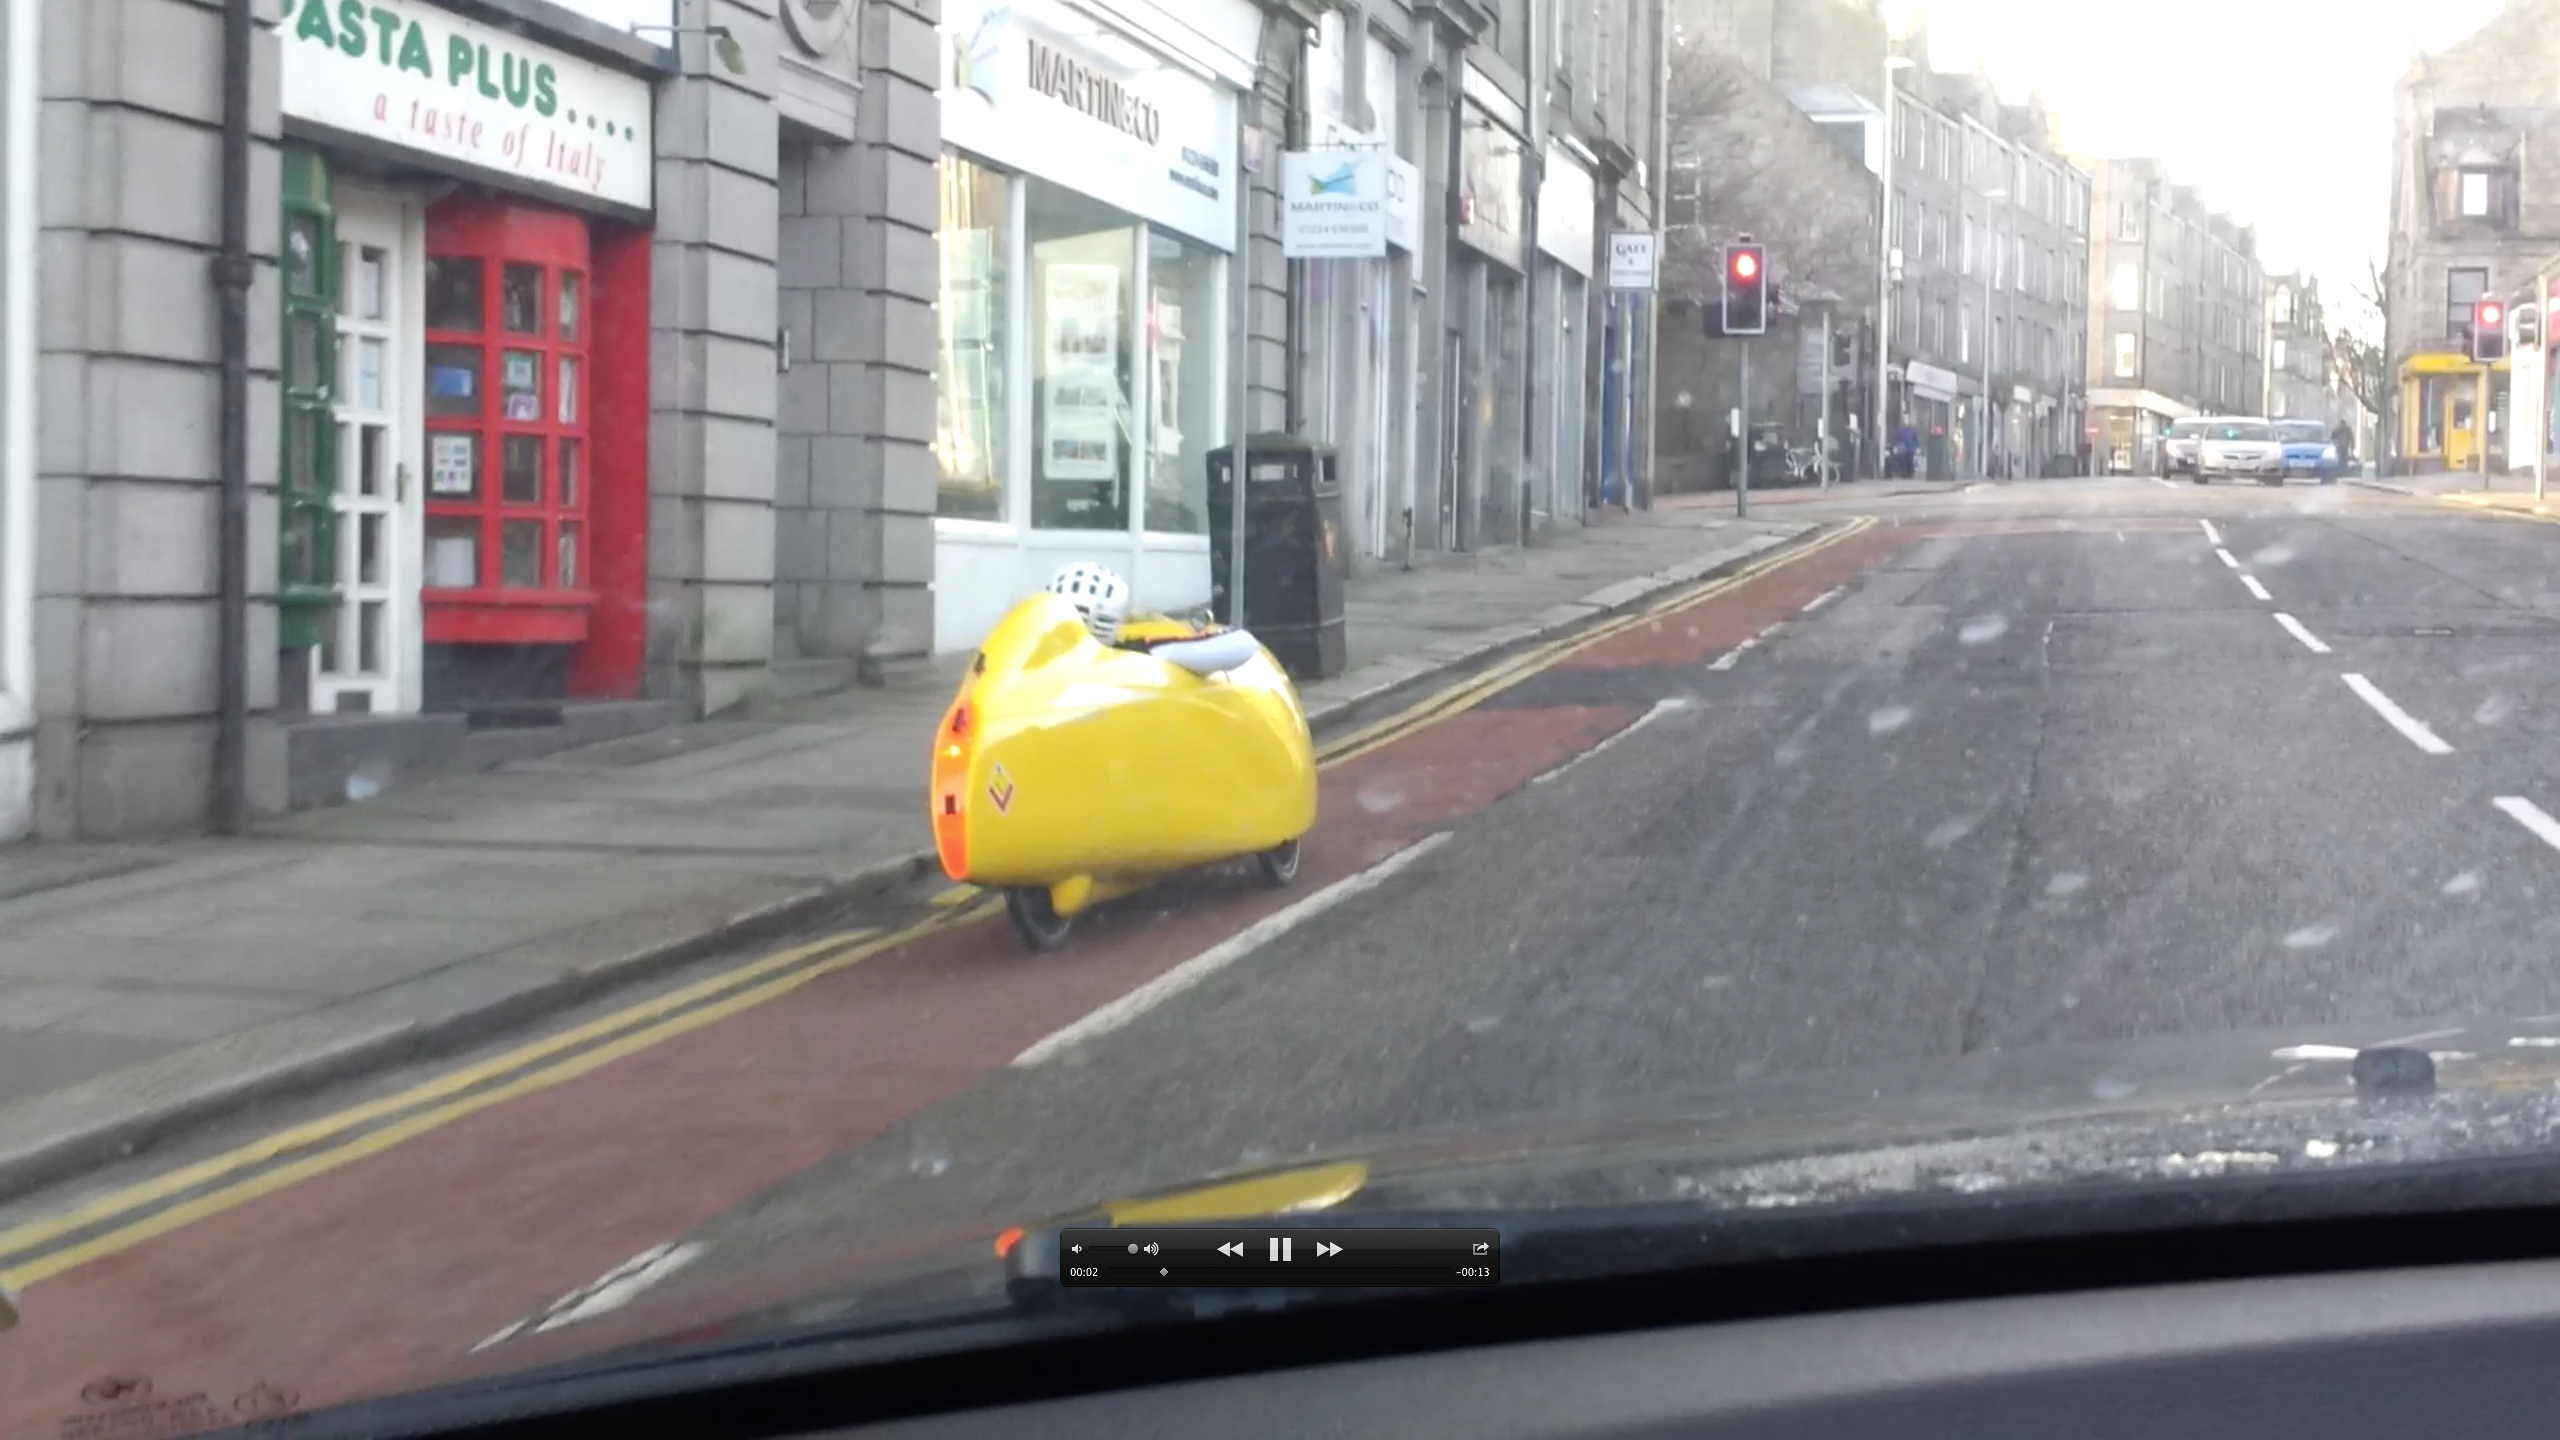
{"type": "Point", "coordinates": [387, 1269]}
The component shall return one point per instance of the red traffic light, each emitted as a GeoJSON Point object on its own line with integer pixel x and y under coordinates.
{"type": "Point", "coordinates": [2492, 313]}
{"type": "Point", "coordinates": [1745, 265]}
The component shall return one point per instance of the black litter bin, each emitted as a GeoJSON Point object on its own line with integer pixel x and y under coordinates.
{"type": "Point", "coordinates": [1293, 560]}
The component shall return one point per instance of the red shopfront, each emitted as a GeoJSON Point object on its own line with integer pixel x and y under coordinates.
{"type": "Point", "coordinates": [534, 567]}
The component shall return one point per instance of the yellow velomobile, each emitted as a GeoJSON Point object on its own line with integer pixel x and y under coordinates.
{"type": "Point", "coordinates": [1068, 772]}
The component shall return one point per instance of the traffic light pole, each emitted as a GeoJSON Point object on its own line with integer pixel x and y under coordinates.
{"type": "Point", "coordinates": [1822, 423]}
{"type": "Point", "coordinates": [1742, 442]}
{"type": "Point", "coordinates": [2542, 388]}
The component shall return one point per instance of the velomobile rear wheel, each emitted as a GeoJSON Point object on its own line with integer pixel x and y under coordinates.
{"type": "Point", "coordinates": [1037, 921]}
{"type": "Point", "coordinates": [1279, 864]}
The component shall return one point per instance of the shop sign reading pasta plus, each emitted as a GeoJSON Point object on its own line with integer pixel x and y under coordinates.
{"type": "Point", "coordinates": [470, 95]}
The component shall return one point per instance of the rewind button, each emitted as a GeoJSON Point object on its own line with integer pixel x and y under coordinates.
{"type": "Point", "coordinates": [1233, 1249]}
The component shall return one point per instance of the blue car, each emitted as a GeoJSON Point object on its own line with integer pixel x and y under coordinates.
{"type": "Point", "coordinates": [2307, 450]}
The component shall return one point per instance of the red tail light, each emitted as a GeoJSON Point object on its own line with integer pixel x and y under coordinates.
{"type": "Point", "coordinates": [960, 720]}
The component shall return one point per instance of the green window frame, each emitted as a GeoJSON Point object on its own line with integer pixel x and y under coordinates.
{"type": "Point", "coordinates": [307, 452]}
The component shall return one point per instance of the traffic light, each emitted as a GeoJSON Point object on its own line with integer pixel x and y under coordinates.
{"type": "Point", "coordinates": [2524, 328]}
{"type": "Point", "coordinates": [2488, 331]}
{"type": "Point", "coordinates": [1746, 290]}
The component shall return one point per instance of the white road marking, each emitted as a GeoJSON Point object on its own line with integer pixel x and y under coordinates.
{"type": "Point", "coordinates": [1825, 598]}
{"type": "Point", "coordinates": [2532, 817]}
{"type": "Point", "coordinates": [2226, 557]}
{"type": "Point", "coordinates": [2254, 587]}
{"type": "Point", "coordinates": [2211, 535]}
{"type": "Point", "coordinates": [2120, 537]}
{"type": "Point", "coordinates": [1733, 657]}
{"type": "Point", "coordinates": [608, 1292]}
{"type": "Point", "coordinates": [1226, 952]}
{"type": "Point", "coordinates": [2156, 480]}
{"type": "Point", "coordinates": [2410, 727]}
{"type": "Point", "coordinates": [1660, 709]}
{"type": "Point", "coordinates": [2301, 632]}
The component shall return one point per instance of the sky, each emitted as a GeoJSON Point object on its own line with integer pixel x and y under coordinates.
{"type": "Point", "coordinates": [2279, 109]}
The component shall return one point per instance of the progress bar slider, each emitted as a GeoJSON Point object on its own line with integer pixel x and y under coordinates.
{"type": "Point", "coordinates": [1277, 1256]}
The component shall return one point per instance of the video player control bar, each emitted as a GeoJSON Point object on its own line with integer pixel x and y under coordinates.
{"type": "Point", "coordinates": [1267, 1255]}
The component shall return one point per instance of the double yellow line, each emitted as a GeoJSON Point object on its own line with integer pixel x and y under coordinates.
{"type": "Point", "coordinates": [41, 1249]}
{"type": "Point", "coordinates": [1468, 694]}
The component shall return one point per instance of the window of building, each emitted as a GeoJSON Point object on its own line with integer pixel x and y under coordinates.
{"type": "Point", "coordinates": [2278, 356]}
{"type": "Point", "coordinates": [2127, 353]}
{"type": "Point", "coordinates": [1083, 258]}
{"type": "Point", "coordinates": [1688, 192]}
{"type": "Point", "coordinates": [1964, 333]}
{"type": "Point", "coordinates": [2127, 293]}
{"type": "Point", "coordinates": [1382, 78]}
{"type": "Point", "coordinates": [2280, 309]}
{"type": "Point", "coordinates": [2128, 222]}
{"type": "Point", "coordinates": [975, 241]}
{"type": "Point", "coordinates": [1966, 260]}
{"type": "Point", "coordinates": [2461, 288]}
{"type": "Point", "coordinates": [2475, 193]}
{"type": "Point", "coordinates": [1937, 327]}
{"type": "Point", "coordinates": [507, 420]}
{"type": "Point", "coordinates": [1186, 410]}
{"type": "Point", "coordinates": [1942, 235]}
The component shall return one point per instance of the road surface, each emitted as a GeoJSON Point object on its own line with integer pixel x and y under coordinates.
{"type": "Point", "coordinates": [1987, 768]}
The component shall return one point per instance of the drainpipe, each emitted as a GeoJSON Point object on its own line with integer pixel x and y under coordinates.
{"type": "Point", "coordinates": [232, 273]}
{"type": "Point", "coordinates": [1295, 399]}
{"type": "Point", "coordinates": [1533, 178]}
{"type": "Point", "coordinates": [1657, 190]}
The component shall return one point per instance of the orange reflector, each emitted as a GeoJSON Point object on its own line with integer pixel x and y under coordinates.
{"type": "Point", "coordinates": [949, 795]}
{"type": "Point", "coordinates": [1005, 1241]}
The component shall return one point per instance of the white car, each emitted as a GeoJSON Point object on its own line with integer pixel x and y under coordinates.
{"type": "Point", "coordinates": [2239, 446]}
{"type": "Point", "coordinates": [2178, 446]}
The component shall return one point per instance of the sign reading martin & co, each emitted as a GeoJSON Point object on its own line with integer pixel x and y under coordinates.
{"type": "Point", "coordinates": [1047, 89]}
{"type": "Point", "coordinates": [470, 95]}
{"type": "Point", "coordinates": [1067, 80]}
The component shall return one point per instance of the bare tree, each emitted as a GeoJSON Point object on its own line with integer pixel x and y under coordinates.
{"type": "Point", "coordinates": [1750, 146]}
{"type": "Point", "coordinates": [2355, 353]}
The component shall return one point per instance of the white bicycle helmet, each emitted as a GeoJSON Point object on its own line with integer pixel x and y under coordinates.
{"type": "Point", "coordinates": [1100, 596]}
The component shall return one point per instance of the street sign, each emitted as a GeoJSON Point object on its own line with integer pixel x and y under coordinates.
{"type": "Point", "coordinates": [1632, 259]}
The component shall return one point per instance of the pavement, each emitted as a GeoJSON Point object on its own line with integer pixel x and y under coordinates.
{"type": "Point", "coordinates": [2500, 490]}
{"type": "Point", "coordinates": [144, 989]}
{"type": "Point", "coordinates": [2037, 765]}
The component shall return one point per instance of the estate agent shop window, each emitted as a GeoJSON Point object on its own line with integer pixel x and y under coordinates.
{"type": "Point", "coordinates": [1124, 362]}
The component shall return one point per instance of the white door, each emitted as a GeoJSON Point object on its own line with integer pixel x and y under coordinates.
{"type": "Point", "coordinates": [367, 657]}
{"type": "Point", "coordinates": [1379, 371]}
